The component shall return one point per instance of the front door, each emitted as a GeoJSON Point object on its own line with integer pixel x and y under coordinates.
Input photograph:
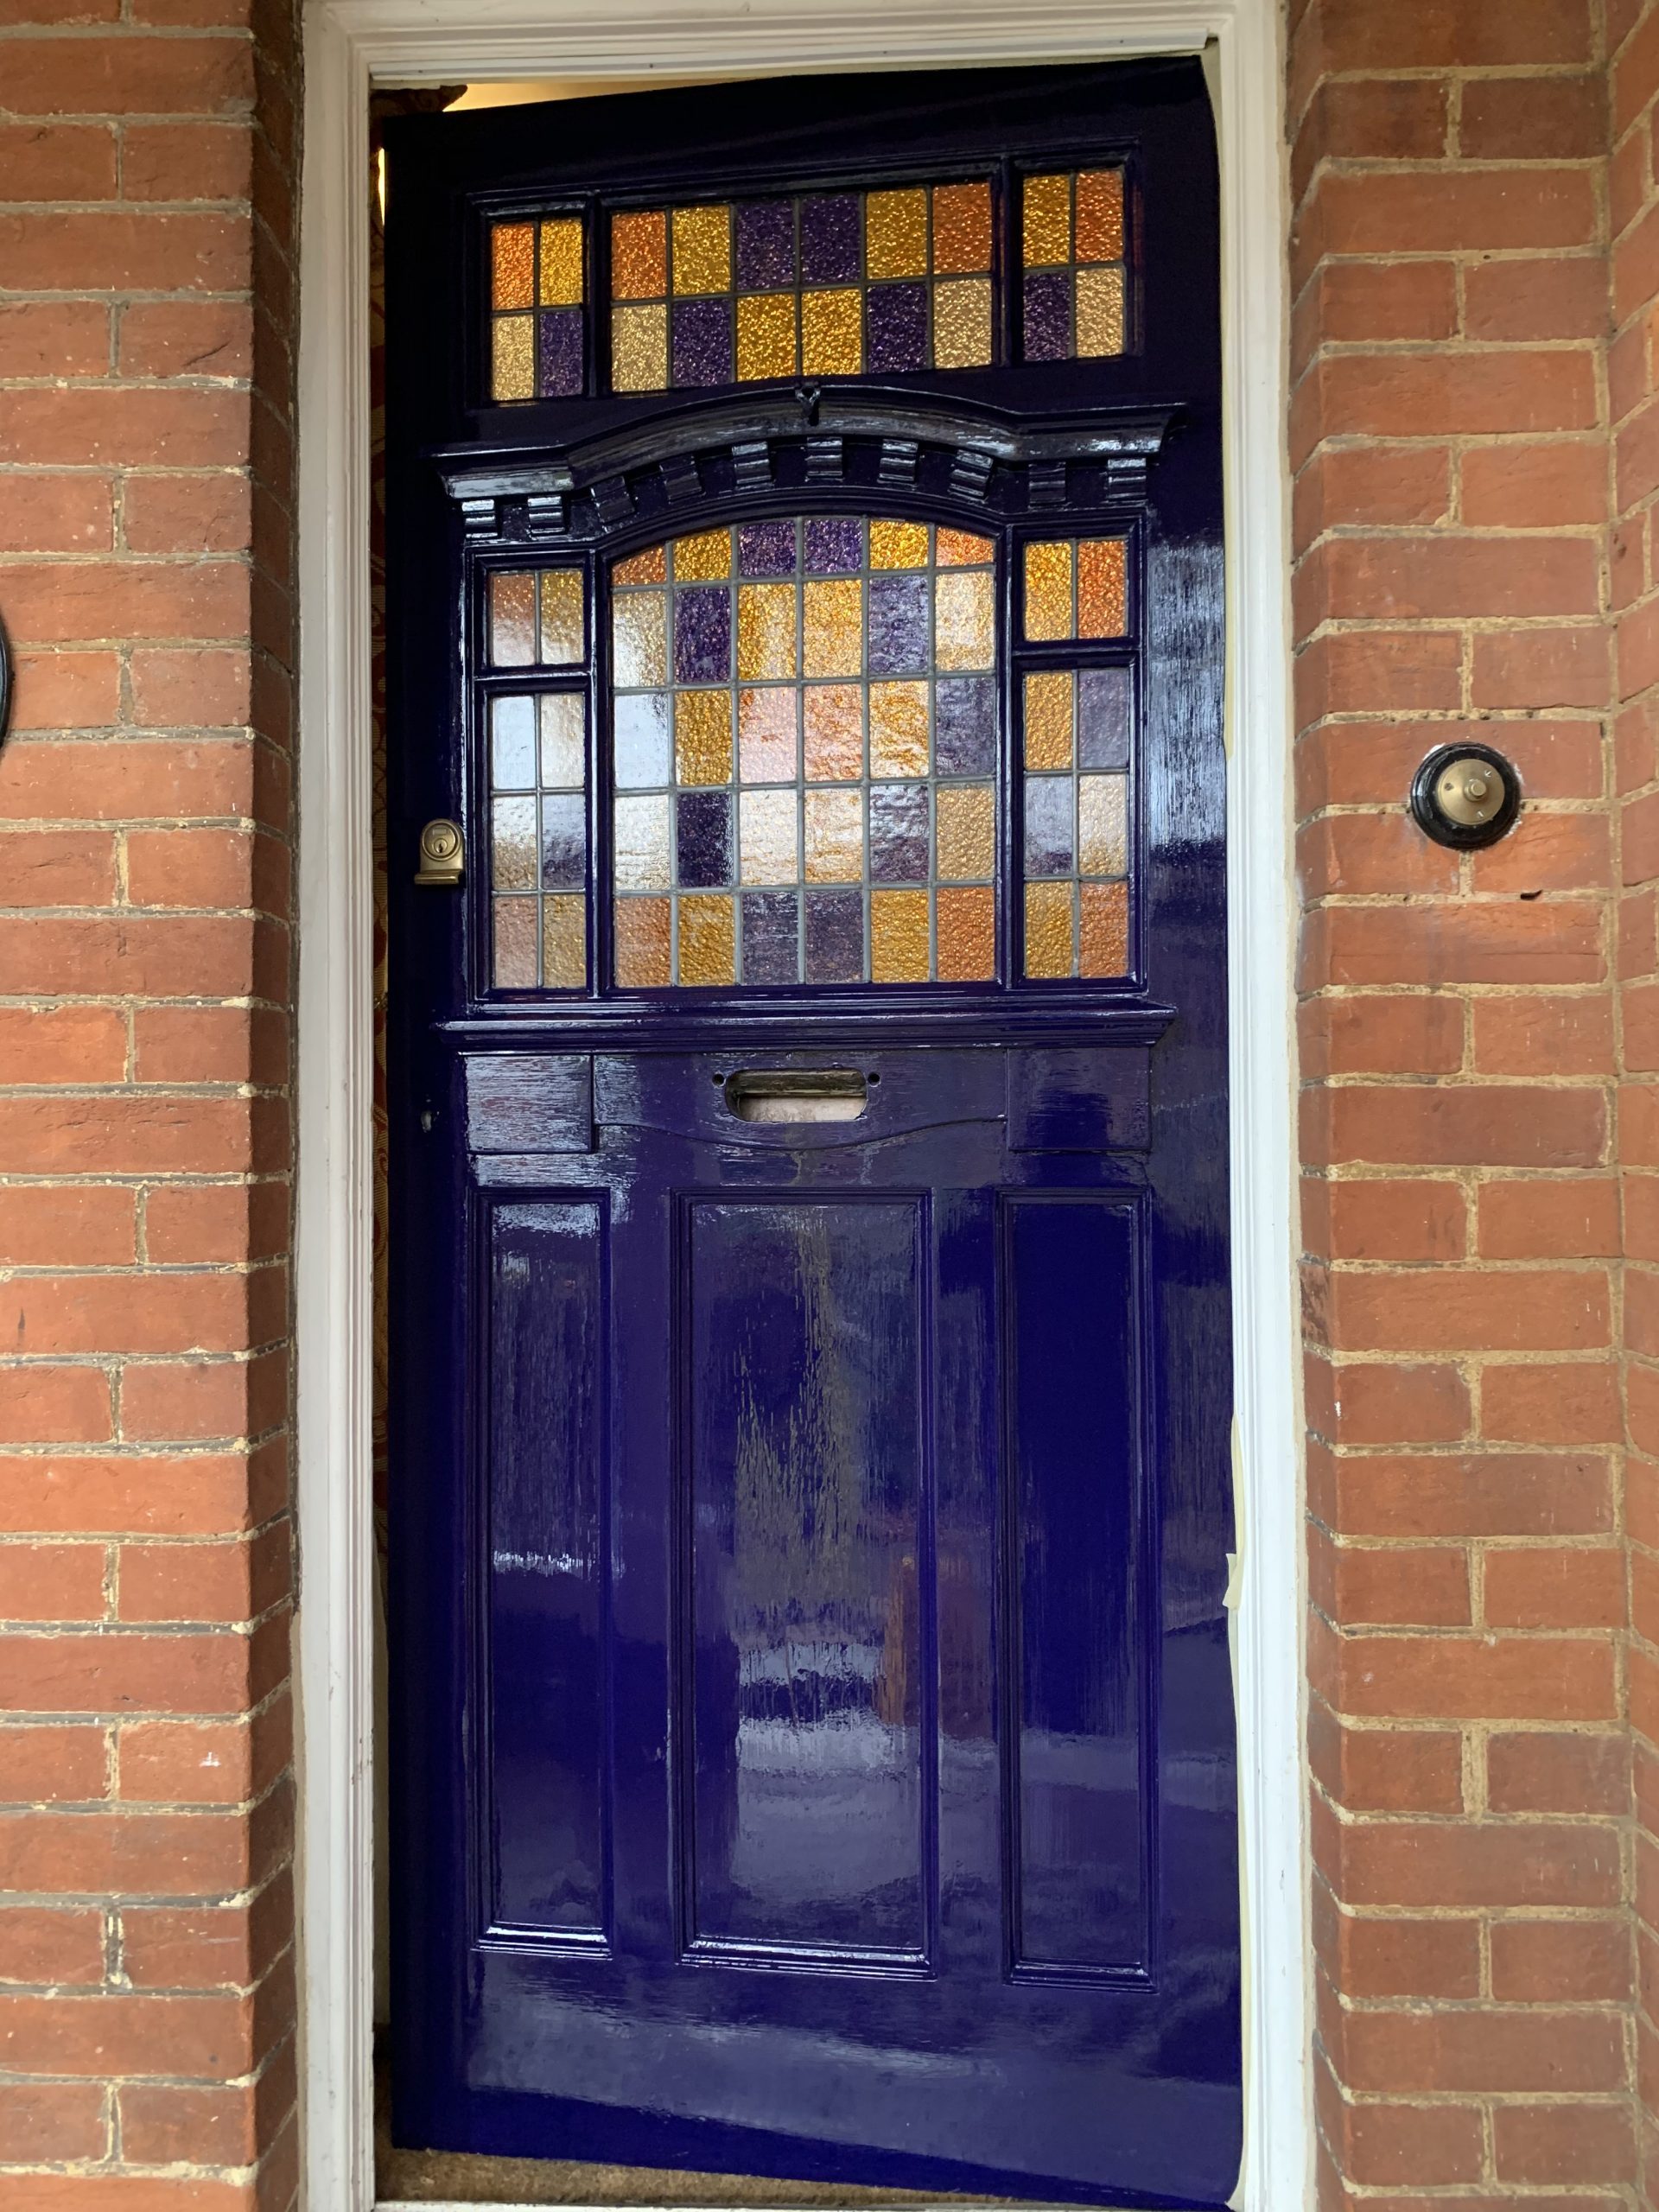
{"type": "Point", "coordinates": [812, 1730]}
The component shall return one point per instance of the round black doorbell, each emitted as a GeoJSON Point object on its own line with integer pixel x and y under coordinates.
{"type": "Point", "coordinates": [1465, 796]}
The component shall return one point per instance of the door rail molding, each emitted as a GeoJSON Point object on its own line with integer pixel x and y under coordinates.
{"type": "Point", "coordinates": [350, 47]}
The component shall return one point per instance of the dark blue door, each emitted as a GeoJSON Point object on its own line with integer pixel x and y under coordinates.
{"type": "Point", "coordinates": [812, 1739]}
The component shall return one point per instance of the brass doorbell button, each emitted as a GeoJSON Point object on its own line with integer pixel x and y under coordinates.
{"type": "Point", "coordinates": [443, 854]}
{"type": "Point", "coordinates": [1465, 796]}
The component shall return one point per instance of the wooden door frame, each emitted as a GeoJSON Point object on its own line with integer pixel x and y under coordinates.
{"type": "Point", "coordinates": [351, 45]}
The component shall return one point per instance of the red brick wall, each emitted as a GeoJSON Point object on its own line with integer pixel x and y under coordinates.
{"type": "Point", "coordinates": [146, 152]}
{"type": "Point", "coordinates": [1462, 1037]}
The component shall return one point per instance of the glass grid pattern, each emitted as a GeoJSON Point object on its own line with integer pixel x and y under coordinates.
{"type": "Point", "coordinates": [1077, 735]}
{"type": "Point", "coordinates": [1076, 587]}
{"type": "Point", "coordinates": [804, 756]}
{"type": "Point", "coordinates": [537, 326]}
{"type": "Point", "coordinates": [1071, 246]}
{"type": "Point", "coordinates": [827, 284]}
{"type": "Point", "coordinates": [538, 839]}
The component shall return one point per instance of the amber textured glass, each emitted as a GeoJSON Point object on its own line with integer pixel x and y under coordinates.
{"type": "Point", "coordinates": [1074, 290]}
{"type": "Point", "coordinates": [537, 756]}
{"type": "Point", "coordinates": [783, 815]}
{"type": "Point", "coordinates": [1076, 801]}
{"type": "Point", "coordinates": [538, 327]}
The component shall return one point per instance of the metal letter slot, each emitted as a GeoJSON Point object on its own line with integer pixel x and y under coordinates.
{"type": "Point", "coordinates": [443, 854]}
{"type": "Point", "coordinates": [796, 1094]}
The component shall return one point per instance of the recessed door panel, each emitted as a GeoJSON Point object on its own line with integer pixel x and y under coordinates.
{"type": "Point", "coordinates": [803, 1366]}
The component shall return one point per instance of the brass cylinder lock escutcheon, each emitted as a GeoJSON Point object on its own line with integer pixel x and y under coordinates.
{"type": "Point", "coordinates": [1465, 796]}
{"type": "Point", "coordinates": [443, 854]}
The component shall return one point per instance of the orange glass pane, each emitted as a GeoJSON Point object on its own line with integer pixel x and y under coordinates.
{"type": "Point", "coordinates": [898, 544]}
{"type": "Point", "coordinates": [1100, 215]}
{"type": "Point", "coordinates": [765, 632]}
{"type": "Point", "coordinates": [834, 627]}
{"type": "Point", "coordinates": [1102, 588]}
{"type": "Point", "coordinates": [895, 232]}
{"type": "Point", "coordinates": [833, 715]}
{"type": "Point", "coordinates": [642, 944]}
{"type": "Point", "coordinates": [515, 944]}
{"type": "Point", "coordinates": [1048, 589]}
{"type": "Point", "coordinates": [703, 737]}
{"type": "Point", "coordinates": [1046, 232]}
{"type": "Point", "coordinates": [1105, 949]}
{"type": "Point", "coordinates": [649, 567]}
{"type": "Point", "coordinates": [705, 557]}
{"type": "Point", "coordinates": [967, 832]}
{"type": "Point", "coordinates": [512, 618]}
{"type": "Point", "coordinates": [961, 549]}
{"type": "Point", "coordinates": [962, 229]}
{"type": "Point", "coordinates": [966, 933]}
{"type": "Point", "coordinates": [639, 255]}
{"type": "Point", "coordinates": [899, 952]}
{"type": "Point", "coordinates": [1048, 929]}
{"type": "Point", "coordinates": [1049, 719]}
{"type": "Point", "coordinates": [899, 730]}
{"type": "Point", "coordinates": [513, 265]}
{"type": "Point", "coordinates": [707, 938]}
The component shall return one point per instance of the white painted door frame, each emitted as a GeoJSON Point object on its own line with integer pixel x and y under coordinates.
{"type": "Point", "coordinates": [350, 45]}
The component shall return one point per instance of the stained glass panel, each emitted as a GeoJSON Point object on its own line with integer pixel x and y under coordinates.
{"type": "Point", "coordinates": [537, 328]}
{"type": "Point", "coordinates": [804, 750]}
{"type": "Point", "coordinates": [537, 752]}
{"type": "Point", "coordinates": [538, 619]}
{"type": "Point", "coordinates": [824, 283]}
{"type": "Point", "coordinates": [1074, 787]}
{"type": "Point", "coordinates": [1076, 587]}
{"type": "Point", "coordinates": [1071, 243]}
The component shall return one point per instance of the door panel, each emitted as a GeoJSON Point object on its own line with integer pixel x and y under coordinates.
{"type": "Point", "coordinates": [812, 1745]}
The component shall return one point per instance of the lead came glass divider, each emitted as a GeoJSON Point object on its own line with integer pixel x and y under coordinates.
{"type": "Point", "coordinates": [1072, 252]}
{"type": "Point", "coordinates": [537, 317]}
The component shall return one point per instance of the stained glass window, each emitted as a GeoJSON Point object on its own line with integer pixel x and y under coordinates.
{"type": "Point", "coordinates": [825, 283]}
{"type": "Point", "coordinates": [538, 618]}
{"type": "Point", "coordinates": [1072, 236]}
{"type": "Point", "coordinates": [803, 755]}
{"type": "Point", "coordinates": [1077, 740]}
{"type": "Point", "coordinates": [539, 839]}
{"type": "Point", "coordinates": [537, 291]}
{"type": "Point", "coordinates": [1076, 587]}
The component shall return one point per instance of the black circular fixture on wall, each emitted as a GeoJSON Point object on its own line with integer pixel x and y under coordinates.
{"type": "Point", "coordinates": [5, 684]}
{"type": "Point", "coordinates": [1465, 796]}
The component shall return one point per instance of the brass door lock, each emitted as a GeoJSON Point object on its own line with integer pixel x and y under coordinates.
{"type": "Point", "coordinates": [443, 854]}
{"type": "Point", "coordinates": [1465, 796]}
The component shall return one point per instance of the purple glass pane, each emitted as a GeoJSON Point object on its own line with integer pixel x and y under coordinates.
{"type": "Point", "coordinates": [835, 937]}
{"type": "Point", "coordinates": [1048, 315]}
{"type": "Point", "coordinates": [765, 549]}
{"type": "Point", "coordinates": [1048, 825]}
{"type": "Point", "coordinates": [564, 841]}
{"type": "Point", "coordinates": [765, 244]}
{"type": "Point", "coordinates": [897, 318]}
{"type": "Point", "coordinates": [898, 626]}
{"type": "Point", "coordinates": [834, 546]}
{"type": "Point", "coordinates": [769, 937]}
{"type": "Point", "coordinates": [562, 353]}
{"type": "Point", "coordinates": [1104, 713]}
{"type": "Point", "coordinates": [899, 833]}
{"type": "Point", "coordinates": [964, 726]}
{"type": "Point", "coordinates": [702, 341]}
{"type": "Point", "coordinates": [704, 827]}
{"type": "Point", "coordinates": [829, 238]}
{"type": "Point", "coordinates": [703, 634]}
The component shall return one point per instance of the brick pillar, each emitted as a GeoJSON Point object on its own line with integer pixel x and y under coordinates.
{"type": "Point", "coordinates": [1460, 1216]}
{"type": "Point", "coordinates": [147, 275]}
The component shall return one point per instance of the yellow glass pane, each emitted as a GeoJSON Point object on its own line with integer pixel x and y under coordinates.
{"type": "Point", "coordinates": [962, 229]}
{"type": "Point", "coordinates": [832, 334]}
{"type": "Point", "coordinates": [1048, 929]}
{"type": "Point", "coordinates": [961, 323]}
{"type": "Point", "coordinates": [561, 273]}
{"type": "Point", "coordinates": [1100, 215]}
{"type": "Point", "coordinates": [835, 837]}
{"type": "Point", "coordinates": [640, 639]}
{"type": "Point", "coordinates": [639, 255]}
{"type": "Point", "coordinates": [765, 336]}
{"type": "Point", "coordinates": [707, 938]}
{"type": "Point", "coordinates": [1047, 221]}
{"type": "Point", "coordinates": [515, 944]}
{"type": "Point", "coordinates": [1105, 949]}
{"type": "Point", "coordinates": [1103, 826]}
{"type": "Point", "coordinates": [1049, 715]}
{"type": "Point", "coordinates": [1102, 588]}
{"type": "Point", "coordinates": [834, 627]}
{"type": "Point", "coordinates": [898, 948]}
{"type": "Point", "coordinates": [966, 933]}
{"type": "Point", "coordinates": [834, 732]}
{"type": "Point", "coordinates": [643, 961]}
{"type": "Point", "coordinates": [703, 737]}
{"type": "Point", "coordinates": [964, 620]}
{"type": "Point", "coordinates": [649, 567]}
{"type": "Point", "coordinates": [640, 349]}
{"type": "Point", "coordinates": [765, 734]}
{"type": "Point", "coordinates": [513, 357]}
{"type": "Point", "coordinates": [513, 618]}
{"type": "Point", "coordinates": [703, 558]}
{"type": "Point", "coordinates": [960, 548]}
{"type": "Point", "coordinates": [564, 629]}
{"type": "Point", "coordinates": [895, 233]}
{"type": "Point", "coordinates": [1100, 313]}
{"type": "Point", "coordinates": [967, 832]}
{"type": "Point", "coordinates": [766, 837]}
{"type": "Point", "coordinates": [898, 544]}
{"type": "Point", "coordinates": [898, 729]}
{"type": "Point", "coordinates": [765, 632]}
{"type": "Point", "coordinates": [703, 249]}
{"type": "Point", "coordinates": [513, 265]}
{"type": "Point", "coordinates": [564, 944]}
{"type": "Point", "coordinates": [1048, 589]}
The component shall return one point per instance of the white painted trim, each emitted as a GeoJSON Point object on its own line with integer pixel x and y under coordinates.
{"type": "Point", "coordinates": [350, 44]}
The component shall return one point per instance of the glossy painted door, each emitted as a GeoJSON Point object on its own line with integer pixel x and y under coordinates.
{"type": "Point", "coordinates": [812, 1732]}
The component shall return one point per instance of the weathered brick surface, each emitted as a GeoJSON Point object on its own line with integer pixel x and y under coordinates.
{"type": "Point", "coordinates": [147, 2052]}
